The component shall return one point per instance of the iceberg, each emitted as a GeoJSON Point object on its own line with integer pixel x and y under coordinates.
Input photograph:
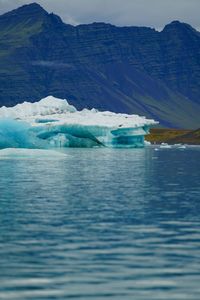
{"type": "Point", "coordinates": [54, 123]}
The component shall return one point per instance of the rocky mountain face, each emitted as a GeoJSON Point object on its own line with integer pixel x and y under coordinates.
{"type": "Point", "coordinates": [123, 69]}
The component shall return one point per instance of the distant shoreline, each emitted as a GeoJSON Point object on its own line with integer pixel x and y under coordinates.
{"type": "Point", "coordinates": [174, 136]}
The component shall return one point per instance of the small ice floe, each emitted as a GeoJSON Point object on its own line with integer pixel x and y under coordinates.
{"type": "Point", "coordinates": [165, 146]}
{"type": "Point", "coordinates": [179, 146]}
{"type": "Point", "coordinates": [156, 149]}
{"type": "Point", "coordinates": [147, 143]}
{"type": "Point", "coordinates": [182, 147]}
{"type": "Point", "coordinates": [30, 153]}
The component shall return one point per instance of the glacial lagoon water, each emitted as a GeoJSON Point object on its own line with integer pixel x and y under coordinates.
{"type": "Point", "coordinates": [101, 224]}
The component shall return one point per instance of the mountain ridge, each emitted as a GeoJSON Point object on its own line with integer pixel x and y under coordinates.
{"type": "Point", "coordinates": [125, 69]}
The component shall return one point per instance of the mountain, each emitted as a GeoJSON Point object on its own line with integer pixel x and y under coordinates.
{"type": "Point", "coordinates": [123, 69]}
{"type": "Point", "coordinates": [190, 138]}
{"type": "Point", "coordinates": [174, 136]}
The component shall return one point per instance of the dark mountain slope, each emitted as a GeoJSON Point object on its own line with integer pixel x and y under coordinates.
{"type": "Point", "coordinates": [124, 69]}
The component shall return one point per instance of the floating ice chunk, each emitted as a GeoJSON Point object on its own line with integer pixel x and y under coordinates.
{"type": "Point", "coordinates": [147, 143]}
{"type": "Point", "coordinates": [53, 122]}
{"type": "Point", "coordinates": [30, 153]}
{"type": "Point", "coordinates": [165, 145]}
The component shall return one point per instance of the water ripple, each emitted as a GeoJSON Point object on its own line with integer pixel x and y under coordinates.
{"type": "Point", "coordinates": [101, 224]}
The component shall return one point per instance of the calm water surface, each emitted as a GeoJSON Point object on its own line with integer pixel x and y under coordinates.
{"type": "Point", "coordinates": [101, 224]}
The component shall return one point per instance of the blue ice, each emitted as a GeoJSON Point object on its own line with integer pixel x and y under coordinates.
{"type": "Point", "coordinates": [19, 134]}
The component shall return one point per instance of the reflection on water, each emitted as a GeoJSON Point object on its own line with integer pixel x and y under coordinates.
{"type": "Point", "coordinates": [101, 224]}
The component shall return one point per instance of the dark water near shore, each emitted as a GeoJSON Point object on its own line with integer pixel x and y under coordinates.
{"type": "Point", "coordinates": [101, 224]}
